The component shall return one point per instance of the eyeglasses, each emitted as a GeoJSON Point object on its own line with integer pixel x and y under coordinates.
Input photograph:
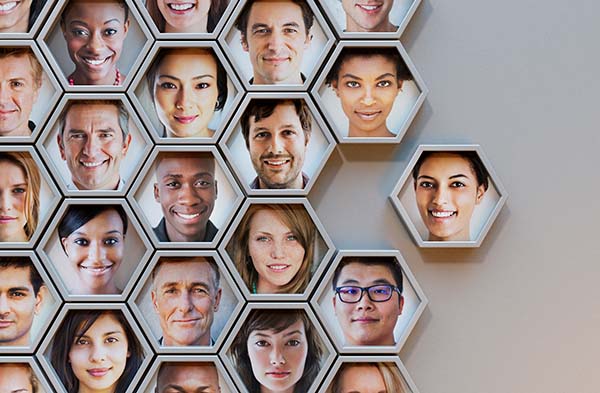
{"type": "Point", "coordinates": [377, 293]}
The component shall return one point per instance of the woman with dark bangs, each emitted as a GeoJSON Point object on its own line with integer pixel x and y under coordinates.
{"type": "Point", "coordinates": [277, 351]}
{"type": "Point", "coordinates": [96, 351]}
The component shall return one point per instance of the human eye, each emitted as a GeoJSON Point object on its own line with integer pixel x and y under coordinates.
{"type": "Point", "coordinates": [384, 83]}
{"type": "Point", "coordinates": [111, 241]}
{"type": "Point", "coordinates": [18, 294]}
{"type": "Point", "coordinates": [77, 136]}
{"type": "Point", "coordinates": [289, 132]}
{"type": "Point", "coordinates": [200, 291]}
{"type": "Point", "coordinates": [293, 343]}
{"type": "Point", "coordinates": [202, 86]}
{"type": "Point", "coordinates": [82, 341]}
{"type": "Point", "coordinates": [458, 184]}
{"type": "Point", "coordinates": [261, 343]}
{"type": "Point", "coordinates": [112, 340]}
{"type": "Point", "coordinates": [426, 184]}
{"type": "Point", "coordinates": [381, 289]}
{"type": "Point", "coordinates": [17, 84]}
{"type": "Point", "coordinates": [262, 238]}
{"type": "Point", "coordinates": [167, 85]}
{"type": "Point", "coordinates": [170, 291]}
{"type": "Point", "coordinates": [81, 242]}
{"type": "Point", "coordinates": [261, 135]}
{"type": "Point", "coordinates": [349, 290]}
{"type": "Point", "coordinates": [202, 183]}
{"type": "Point", "coordinates": [78, 32]}
{"type": "Point", "coordinates": [261, 31]}
{"type": "Point", "coordinates": [352, 84]}
{"type": "Point", "coordinates": [110, 32]}
{"type": "Point", "coordinates": [290, 30]}
{"type": "Point", "coordinates": [19, 190]}
{"type": "Point", "coordinates": [106, 135]}
{"type": "Point", "coordinates": [292, 237]}
{"type": "Point", "coordinates": [173, 184]}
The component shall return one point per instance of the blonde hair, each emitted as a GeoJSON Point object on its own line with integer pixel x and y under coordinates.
{"type": "Point", "coordinates": [294, 217]}
{"type": "Point", "coordinates": [392, 378]}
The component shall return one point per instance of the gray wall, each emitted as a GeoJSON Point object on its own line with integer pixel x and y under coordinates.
{"type": "Point", "coordinates": [521, 313]}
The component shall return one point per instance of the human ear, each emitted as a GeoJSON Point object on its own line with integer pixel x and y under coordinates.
{"type": "Point", "coordinates": [156, 193]}
{"type": "Point", "coordinates": [480, 193]}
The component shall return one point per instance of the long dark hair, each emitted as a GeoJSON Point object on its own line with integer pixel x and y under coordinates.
{"type": "Point", "coordinates": [75, 325]}
{"type": "Point", "coordinates": [215, 12]}
{"type": "Point", "coordinates": [77, 216]}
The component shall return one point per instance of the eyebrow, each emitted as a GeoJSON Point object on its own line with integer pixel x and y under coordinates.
{"type": "Point", "coordinates": [24, 289]}
{"type": "Point", "coordinates": [287, 334]}
{"type": "Point", "coordinates": [106, 233]}
{"type": "Point", "coordinates": [79, 131]}
{"type": "Point", "coordinates": [194, 284]}
{"type": "Point", "coordinates": [459, 175]}
{"type": "Point", "coordinates": [195, 77]}
{"type": "Point", "coordinates": [378, 281]}
{"type": "Point", "coordinates": [85, 23]}
{"type": "Point", "coordinates": [382, 76]}
{"type": "Point", "coordinates": [180, 176]}
{"type": "Point", "coordinates": [19, 390]}
{"type": "Point", "coordinates": [199, 389]}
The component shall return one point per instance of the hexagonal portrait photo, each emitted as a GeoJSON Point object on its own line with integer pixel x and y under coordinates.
{"type": "Point", "coordinates": [449, 196]}
{"type": "Point", "coordinates": [31, 91]}
{"type": "Point", "coordinates": [94, 145]}
{"type": "Point", "coordinates": [22, 375]}
{"type": "Point", "coordinates": [94, 350]}
{"type": "Point", "coordinates": [277, 247]}
{"type": "Point", "coordinates": [187, 92]}
{"type": "Point", "coordinates": [95, 42]}
{"type": "Point", "coordinates": [186, 196]}
{"type": "Point", "coordinates": [186, 301]}
{"type": "Point", "coordinates": [28, 199]}
{"type": "Point", "coordinates": [369, 92]}
{"type": "Point", "coordinates": [369, 301]}
{"type": "Point", "coordinates": [277, 350]}
{"type": "Point", "coordinates": [28, 301]}
{"type": "Point", "coordinates": [95, 249]}
{"type": "Point", "coordinates": [276, 44]}
{"type": "Point", "coordinates": [278, 145]}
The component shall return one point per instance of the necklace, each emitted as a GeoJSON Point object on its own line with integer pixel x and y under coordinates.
{"type": "Point", "coordinates": [116, 83]}
{"type": "Point", "coordinates": [254, 287]}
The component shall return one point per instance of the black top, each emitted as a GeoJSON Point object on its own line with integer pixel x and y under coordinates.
{"type": "Point", "coordinates": [161, 231]}
{"type": "Point", "coordinates": [251, 81]}
{"type": "Point", "coordinates": [255, 185]}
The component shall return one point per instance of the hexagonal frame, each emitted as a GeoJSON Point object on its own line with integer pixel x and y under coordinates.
{"type": "Point", "coordinates": [245, 161]}
{"type": "Point", "coordinates": [406, 176]}
{"type": "Point", "coordinates": [51, 98]}
{"type": "Point", "coordinates": [145, 171]}
{"type": "Point", "coordinates": [328, 347]}
{"type": "Point", "coordinates": [46, 344]}
{"type": "Point", "coordinates": [230, 107]}
{"type": "Point", "coordinates": [329, 42]}
{"type": "Point", "coordinates": [339, 28]}
{"type": "Point", "coordinates": [186, 36]}
{"type": "Point", "coordinates": [318, 271]}
{"type": "Point", "coordinates": [325, 290]}
{"type": "Point", "coordinates": [409, 115]}
{"type": "Point", "coordinates": [137, 264]}
{"type": "Point", "coordinates": [37, 371]}
{"type": "Point", "coordinates": [225, 277]}
{"type": "Point", "coordinates": [48, 30]}
{"type": "Point", "coordinates": [49, 137]}
{"type": "Point", "coordinates": [370, 359]}
{"type": "Point", "coordinates": [53, 306]}
{"type": "Point", "coordinates": [150, 377]}
{"type": "Point", "coordinates": [50, 189]}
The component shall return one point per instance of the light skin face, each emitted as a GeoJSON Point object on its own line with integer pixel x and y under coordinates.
{"type": "Point", "coordinates": [186, 190]}
{"type": "Point", "coordinates": [18, 305]}
{"type": "Point", "coordinates": [185, 298]}
{"type": "Point", "coordinates": [447, 192]}
{"type": "Point", "coordinates": [277, 146]}
{"type": "Point", "coordinates": [276, 253]}
{"type": "Point", "coordinates": [18, 92]}
{"type": "Point", "coordinates": [184, 16]}
{"type": "Point", "coordinates": [15, 378]}
{"type": "Point", "coordinates": [95, 251]}
{"type": "Point", "coordinates": [185, 93]}
{"type": "Point", "coordinates": [188, 378]}
{"type": "Point", "coordinates": [368, 15]}
{"type": "Point", "coordinates": [14, 17]}
{"type": "Point", "coordinates": [93, 145]}
{"type": "Point", "coordinates": [95, 31]}
{"type": "Point", "coordinates": [13, 192]}
{"type": "Point", "coordinates": [278, 359]}
{"type": "Point", "coordinates": [367, 322]}
{"type": "Point", "coordinates": [99, 357]}
{"type": "Point", "coordinates": [367, 88]}
{"type": "Point", "coordinates": [362, 378]}
{"type": "Point", "coordinates": [276, 39]}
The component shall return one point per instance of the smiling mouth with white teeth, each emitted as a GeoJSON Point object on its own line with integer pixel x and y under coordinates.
{"type": "Point", "coordinates": [367, 115]}
{"type": "Point", "coordinates": [95, 62]}
{"type": "Point", "coordinates": [96, 269]}
{"type": "Point", "coordinates": [92, 165]}
{"type": "Point", "coordinates": [277, 163]}
{"type": "Point", "coordinates": [368, 8]}
{"type": "Point", "coordinates": [278, 267]}
{"type": "Point", "coordinates": [180, 7]}
{"type": "Point", "coordinates": [442, 214]}
{"type": "Point", "coordinates": [7, 7]}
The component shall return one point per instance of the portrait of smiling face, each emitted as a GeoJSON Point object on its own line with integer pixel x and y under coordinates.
{"type": "Point", "coordinates": [368, 16]}
{"type": "Point", "coordinates": [187, 377]}
{"type": "Point", "coordinates": [13, 188]}
{"type": "Point", "coordinates": [17, 378]}
{"type": "Point", "coordinates": [184, 16]}
{"type": "Point", "coordinates": [14, 16]}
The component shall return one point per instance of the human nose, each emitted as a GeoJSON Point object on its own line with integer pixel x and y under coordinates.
{"type": "Point", "coordinates": [187, 195]}
{"type": "Point", "coordinates": [367, 98]}
{"type": "Point", "coordinates": [6, 201]}
{"type": "Point", "coordinates": [98, 353]}
{"type": "Point", "coordinates": [278, 250]}
{"type": "Point", "coordinates": [4, 307]}
{"type": "Point", "coordinates": [276, 40]}
{"type": "Point", "coordinates": [4, 94]}
{"type": "Point", "coordinates": [277, 144]}
{"type": "Point", "coordinates": [440, 197]}
{"type": "Point", "coordinates": [276, 355]}
{"type": "Point", "coordinates": [185, 302]}
{"type": "Point", "coordinates": [91, 146]}
{"type": "Point", "coordinates": [96, 252]}
{"type": "Point", "coordinates": [183, 98]}
{"type": "Point", "coordinates": [95, 42]}
{"type": "Point", "coordinates": [365, 301]}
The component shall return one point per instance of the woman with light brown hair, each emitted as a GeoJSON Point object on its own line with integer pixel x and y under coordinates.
{"type": "Point", "coordinates": [368, 377]}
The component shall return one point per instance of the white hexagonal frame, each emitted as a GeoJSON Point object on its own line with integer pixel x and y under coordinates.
{"type": "Point", "coordinates": [405, 107]}
{"type": "Point", "coordinates": [484, 215]}
{"type": "Point", "coordinates": [234, 148]}
{"type": "Point", "coordinates": [142, 189]}
{"type": "Point", "coordinates": [135, 258]}
{"type": "Point", "coordinates": [43, 384]}
{"type": "Point", "coordinates": [415, 302]}
{"type": "Point", "coordinates": [140, 96]}
{"type": "Point", "coordinates": [227, 307]}
{"type": "Point", "coordinates": [324, 250]}
{"type": "Point", "coordinates": [139, 148]}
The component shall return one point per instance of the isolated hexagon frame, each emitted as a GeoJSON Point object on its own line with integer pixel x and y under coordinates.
{"type": "Point", "coordinates": [140, 79]}
{"type": "Point", "coordinates": [47, 133]}
{"type": "Point", "coordinates": [49, 77]}
{"type": "Point", "coordinates": [45, 346]}
{"type": "Point", "coordinates": [233, 127]}
{"type": "Point", "coordinates": [37, 371]}
{"type": "Point", "coordinates": [407, 275]}
{"type": "Point", "coordinates": [406, 176]}
{"type": "Point", "coordinates": [372, 35]}
{"type": "Point", "coordinates": [51, 206]}
{"type": "Point", "coordinates": [144, 172]}
{"type": "Point", "coordinates": [318, 272]}
{"type": "Point", "coordinates": [48, 28]}
{"type": "Point", "coordinates": [328, 347]}
{"type": "Point", "coordinates": [370, 359]}
{"type": "Point", "coordinates": [186, 36]}
{"type": "Point", "coordinates": [329, 43]}
{"type": "Point", "coordinates": [225, 276]}
{"type": "Point", "coordinates": [54, 307]}
{"type": "Point", "coordinates": [136, 272]}
{"type": "Point", "coordinates": [420, 84]}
